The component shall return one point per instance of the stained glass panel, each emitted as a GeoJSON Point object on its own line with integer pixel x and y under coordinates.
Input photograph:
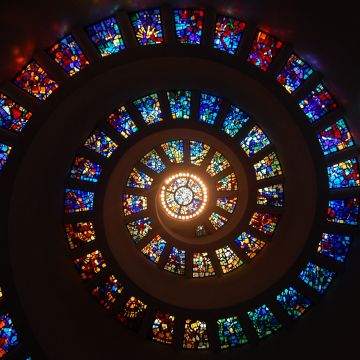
{"type": "Point", "coordinates": [198, 152]}
{"type": "Point", "coordinates": [344, 174]}
{"type": "Point", "coordinates": [176, 261]}
{"type": "Point", "coordinates": [106, 36]}
{"type": "Point", "coordinates": [9, 338]}
{"type": "Point", "coordinates": [218, 164]}
{"type": "Point", "coordinates": [271, 195]}
{"type": "Point", "coordinates": [268, 167]}
{"type": "Point", "coordinates": [263, 51]}
{"type": "Point", "coordinates": [230, 333]}
{"type": "Point", "coordinates": [99, 142]}
{"type": "Point", "coordinates": [202, 266]}
{"type": "Point", "coordinates": [154, 249]}
{"type": "Point", "coordinates": [234, 121]}
{"type": "Point", "coordinates": [334, 246]}
{"type": "Point", "coordinates": [132, 313]}
{"type": "Point", "coordinates": [90, 265]}
{"type": "Point", "coordinates": [147, 26]}
{"type": "Point", "coordinates": [264, 222]}
{"type": "Point", "coordinates": [85, 170]}
{"type": "Point", "coordinates": [254, 141]}
{"type": "Point", "coordinates": [67, 53]}
{"type": "Point", "coordinates": [228, 259]}
{"type": "Point", "coordinates": [149, 108]}
{"type": "Point", "coordinates": [227, 203]}
{"type": "Point", "coordinates": [174, 150]}
{"type": "Point", "coordinates": [294, 73]}
{"type": "Point", "coordinates": [195, 335]}
{"type": "Point", "coordinates": [121, 121]}
{"type": "Point", "coordinates": [13, 116]}
{"type": "Point", "coordinates": [335, 138]}
{"type": "Point", "coordinates": [139, 228]}
{"type": "Point", "coordinates": [189, 25]}
{"type": "Point", "coordinates": [227, 183]}
{"type": "Point", "coordinates": [1, 293]}
{"type": "Point", "coordinates": [36, 81]}
{"type": "Point", "coordinates": [79, 233]}
{"type": "Point", "coordinates": [107, 292]}
{"type": "Point", "coordinates": [153, 161]}
{"type": "Point", "coordinates": [318, 103]}
{"type": "Point", "coordinates": [317, 277]}
{"type": "Point", "coordinates": [209, 108]}
{"type": "Point", "coordinates": [250, 244]}
{"type": "Point", "coordinates": [180, 103]}
{"type": "Point", "coordinates": [78, 200]}
{"type": "Point", "coordinates": [343, 211]}
{"type": "Point", "coordinates": [264, 321]}
{"type": "Point", "coordinates": [293, 302]}
{"type": "Point", "coordinates": [138, 179]}
{"type": "Point", "coordinates": [4, 154]}
{"type": "Point", "coordinates": [163, 328]}
{"type": "Point", "coordinates": [133, 204]}
{"type": "Point", "coordinates": [217, 221]}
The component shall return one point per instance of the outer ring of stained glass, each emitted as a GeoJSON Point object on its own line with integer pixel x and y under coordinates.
{"type": "Point", "coordinates": [184, 212]}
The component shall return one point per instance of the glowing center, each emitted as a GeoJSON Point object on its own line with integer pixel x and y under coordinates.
{"type": "Point", "coordinates": [183, 196]}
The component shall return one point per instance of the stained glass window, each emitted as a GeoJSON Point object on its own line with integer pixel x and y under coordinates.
{"type": "Point", "coordinates": [268, 167]}
{"type": "Point", "coordinates": [138, 179]}
{"type": "Point", "coordinates": [228, 183]}
{"type": "Point", "coordinates": [318, 103]}
{"type": "Point", "coordinates": [202, 266]}
{"type": "Point", "coordinates": [200, 230]}
{"type": "Point", "coordinates": [134, 203]}
{"type": "Point", "coordinates": [107, 292]}
{"type": "Point", "coordinates": [227, 203]}
{"type": "Point", "coordinates": [8, 335]}
{"type": "Point", "coordinates": [209, 108]}
{"type": "Point", "coordinates": [217, 221]}
{"type": "Point", "coordinates": [180, 103]}
{"type": "Point", "coordinates": [153, 161]}
{"type": "Point", "coordinates": [189, 25]}
{"type": "Point", "coordinates": [234, 121]}
{"type": "Point", "coordinates": [154, 249]}
{"type": "Point", "coordinates": [36, 81]}
{"type": "Point", "coordinates": [271, 195]}
{"type": "Point", "coordinates": [78, 200]}
{"type": "Point", "coordinates": [336, 137]}
{"type": "Point", "coordinates": [67, 53]}
{"type": "Point", "coordinates": [99, 142]}
{"type": "Point", "coordinates": [121, 121]}
{"type": "Point", "coordinates": [344, 174]}
{"type": "Point", "coordinates": [195, 335]}
{"type": "Point", "coordinates": [13, 116]}
{"type": "Point", "coordinates": [250, 244]}
{"type": "Point", "coordinates": [163, 328]}
{"type": "Point", "coordinates": [147, 26]}
{"type": "Point", "coordinates": [176, 261]}
{"type": "Point", "coordinates": [264, 321]}
{"type": "Point", "coordinates": [334, 246]}
{"type": "Point", "coordinates": [228, 259]}
{"type": "Point", "coordinates": [79, 233]}
{"type": "Point", "coordinates": [90, 265]}
{"type": "Point", "coordinates": [317, 277]}
{"type": "Point", "coordinates": [1, 293]}
{"type": "Point", "coordinates": [254, 141]}
{"type": "Point", "coordinates": [343, 211]}
{"type": "Point", "coordinates": [293, 302]}
{"type": "Point", "coordinates": [4, 154]}
{"type": "Point", "coordinates": [198, 152]}
{"type": "Point", "coordinates": [138, 229]}
{"type": "Point", "coordinates": [294, 73]}
{"type": "Point", "coordinates": [132, 313]}
{"type": "Point", "coordinates": [149, 108]}
{"type": "Point", "coordinates": [174, 151]}
{"type": "Point", "coordinates": [230, 333]}
{"type": "Point", "coordinates": [228, 33]}
{"type": "Point", "coordinates": [106, 36]}
{"type": "Point", "coordinates": [264, 49]}
{"type": "Point", "coordinates": [85, 170]}
{"type": "Point", "coordinates": [264, 222]}
{"type": "Point", "coordinates": [218, 164]}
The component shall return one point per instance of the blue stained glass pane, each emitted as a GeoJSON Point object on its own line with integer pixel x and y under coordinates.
{"type": "Point", "coordinates": [293, 302]}
{"type": "Point", "coordinates": [254, 141]}
{"type": "Point", "coordinates": [4, 154]}
{"type": "Point", "coordinates": [264, 321]}
{"type": "Point", "coordinates": [9, 338]}
{"type": "Point", "coordinates": [99, 142]}
{"type": "Point", "coordinates": [335, 246]}
{"type": "Point", "coordinates": [78, 200]}
{"type": "Point", "coordinates": [149, 107]}
{"type": "Point", "coordinates": [209, 108]}
{"type": "Point", "coordinates": [85, 170]}
{"type": "Point", "coordinates": [180, 102]}
{"type": "Point", "coordinates": [188, 25]}
{"type": "Point", "coordinates": [344, 174]}
{"type": "Point", "coordinates": [230, 333]}
{"type": "Point", "coordinates": [121, 121]}
{"type": "Point", "coordinates": [343, 211]}
{"type": "Point", "coordinates": [234, 121]}
{"type": "Point", "coordinates": [317, 277]}
{"type": "Point", "coordinates": [153, 161]}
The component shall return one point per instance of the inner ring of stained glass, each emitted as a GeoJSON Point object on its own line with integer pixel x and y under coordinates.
{"type": "Point", "coordinates": [183, 196]}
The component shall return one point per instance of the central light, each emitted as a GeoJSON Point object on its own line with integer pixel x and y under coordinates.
{"type": "Point", "coordinates": [183, 196]}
